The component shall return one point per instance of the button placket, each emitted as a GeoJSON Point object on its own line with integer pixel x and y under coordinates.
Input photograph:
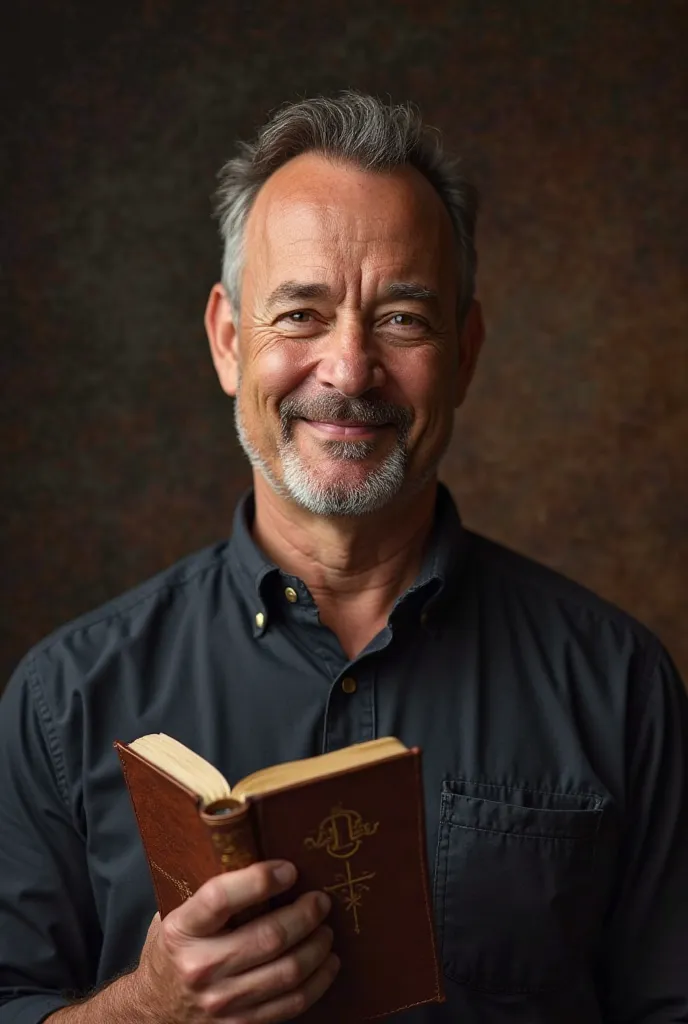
{"type": "Point", "coordinates": [350, 715]}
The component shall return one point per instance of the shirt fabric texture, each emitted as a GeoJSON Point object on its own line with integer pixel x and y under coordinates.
{"type": "Point", "coordinates": [554, 731]}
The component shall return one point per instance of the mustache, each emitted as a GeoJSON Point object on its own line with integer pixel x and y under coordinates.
{"type": "Point", "coordinates": [325, 406]}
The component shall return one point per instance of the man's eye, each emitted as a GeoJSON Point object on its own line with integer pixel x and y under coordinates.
{"type": "Point", "coordinates": [404, 320]}
{"type": "Point", "coordinates": [297, 316]}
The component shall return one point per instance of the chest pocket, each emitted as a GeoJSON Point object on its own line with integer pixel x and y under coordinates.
{"type": "Point", "coordinates": [519, 885]}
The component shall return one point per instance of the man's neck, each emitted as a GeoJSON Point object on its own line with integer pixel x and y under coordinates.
{"type": "Point", "coordinates": [355, 567]}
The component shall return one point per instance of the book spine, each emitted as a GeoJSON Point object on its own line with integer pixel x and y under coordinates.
{"type": "Point", "coordinates": [232, 835]}
{"type": "Point", "coordinates": [235, 844]}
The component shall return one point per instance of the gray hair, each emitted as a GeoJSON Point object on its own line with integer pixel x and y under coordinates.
{"type": "Point", "coordinates": [356, 129]}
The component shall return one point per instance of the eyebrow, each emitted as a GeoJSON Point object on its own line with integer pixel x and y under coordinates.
{"type": "Point", "coordinates": [411, 291]}
{"type": "Point", "coordinates": [298, 291]}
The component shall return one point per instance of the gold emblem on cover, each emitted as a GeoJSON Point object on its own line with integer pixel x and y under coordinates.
{"type": "Point", "coordinates": [341, 835]}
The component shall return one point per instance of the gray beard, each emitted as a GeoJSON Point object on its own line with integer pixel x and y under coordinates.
{"type": "Point", "coordinates": [382, 484]}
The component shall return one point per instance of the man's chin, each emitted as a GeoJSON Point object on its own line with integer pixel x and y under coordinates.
{"type": "Point", "coordinates": [337, 477]}
{"type": "Point", "coordinates": [343, 487]}
{"type": "Point", "coordinates": [331, 456]}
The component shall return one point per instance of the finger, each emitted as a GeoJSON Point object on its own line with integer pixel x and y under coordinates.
{"type": "Point", "coordinates": [210, 908]}
{"type": "Point", "coordinates": [271, 980]}
{"type": "Point", "coordinates": [291, 1005]}
{"type": "Point", "coordinates": [200, 962]}
{"type": "Point", "coordinates": [270, 935]}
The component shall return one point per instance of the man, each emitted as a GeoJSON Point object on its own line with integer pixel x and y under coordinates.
{"type": "Point", "coordinates": [351, 603]}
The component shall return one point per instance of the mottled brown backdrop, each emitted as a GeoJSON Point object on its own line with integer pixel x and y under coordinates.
{"type": "Point", "coordinates": [118, 446]}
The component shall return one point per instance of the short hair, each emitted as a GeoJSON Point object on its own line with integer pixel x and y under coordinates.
{"type": "Point", "coordinates": [357, 129]}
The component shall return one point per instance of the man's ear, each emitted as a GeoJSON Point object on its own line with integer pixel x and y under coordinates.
{"type": "Point", "coordinates": [470, 344]}
{"type": "Point", "coordinates": [223, 336]}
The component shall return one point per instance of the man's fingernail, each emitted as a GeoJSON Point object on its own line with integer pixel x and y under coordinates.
{"type": "Point", "coordinates": [284, 874]}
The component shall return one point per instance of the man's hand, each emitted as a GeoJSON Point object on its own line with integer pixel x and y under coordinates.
{"type": "Point", "coordinates": [194, 971]}
{"type": "Point", "coordinates": [271, 969]}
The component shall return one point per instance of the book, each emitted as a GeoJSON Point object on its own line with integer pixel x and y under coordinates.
{"type": "Point", "coordinates": [352, 822]}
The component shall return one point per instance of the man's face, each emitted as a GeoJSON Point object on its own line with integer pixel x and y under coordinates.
{"type": "Point", "coordinates": [346, 362]}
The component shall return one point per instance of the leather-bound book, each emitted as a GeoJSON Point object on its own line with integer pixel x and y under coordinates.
{"type": "Point", "coordinates": [352, 823]}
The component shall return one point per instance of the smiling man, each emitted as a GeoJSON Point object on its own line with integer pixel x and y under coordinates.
{"type": "Point", "coordinates": [351, 603]}
{"type": "Point", "coordinates": [347, 378]}
{"type": "Point", "coordinates": [358, 362]}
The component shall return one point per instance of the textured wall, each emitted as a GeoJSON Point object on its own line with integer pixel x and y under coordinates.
{"type": "Point", "coordinates": [120, 455]}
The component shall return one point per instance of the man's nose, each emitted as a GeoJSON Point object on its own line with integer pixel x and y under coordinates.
{"type": "Point", "coordinates": [351, 360]}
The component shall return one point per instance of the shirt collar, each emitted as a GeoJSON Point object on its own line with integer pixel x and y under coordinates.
{"type": "Point", "coordinates": [431, 587]}
{"type": "Point", "coordinates": [251, 567]}
{"type": "Point", "coordinates": [441, 561]}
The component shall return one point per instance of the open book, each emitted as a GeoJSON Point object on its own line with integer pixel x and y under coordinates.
{"type": "Point", "coordinates": [195, 773]}
{"type": "Point", "coordinates": [352, 823]}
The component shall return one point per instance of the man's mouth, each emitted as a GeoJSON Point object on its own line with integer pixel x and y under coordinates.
{"type": "Point", "coordinates": [346, 430]}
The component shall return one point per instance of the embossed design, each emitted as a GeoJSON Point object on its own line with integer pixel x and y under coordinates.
{"type": "Point", "coordinates": [231, 855]}
{"type": "Point", "coordinates": [182, 886]}
{"type": "Point", "coordinates": [350, 890]}
{"type": "Point", "coordinates": [341, 834]}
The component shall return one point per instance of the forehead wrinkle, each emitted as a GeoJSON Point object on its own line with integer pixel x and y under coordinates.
{"type": "Point", "coordinates": [305, 214]}
{"type": "Point", "coordinates": [324, 189]}
{"type": "Point", "coordinates": [307, 228]}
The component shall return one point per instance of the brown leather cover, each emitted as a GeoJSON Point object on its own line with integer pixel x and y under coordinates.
{"type": "Point", "coordinates": [184, 846]}
{"type": "Point", "coordinates": [358, 834]}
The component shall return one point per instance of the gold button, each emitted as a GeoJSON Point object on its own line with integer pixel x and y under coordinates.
{"type": "Point", "coordinates": [348, 684]}
{"type": "Point", "coordinates": [424, 619]}
{"type": "Point", "coordinates": [260, 620]}
{"type": "Point", "coordinates": [291, 595]}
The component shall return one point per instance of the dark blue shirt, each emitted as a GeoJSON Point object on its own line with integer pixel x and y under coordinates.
{"type": "Point", "coordinates": [554, 732]}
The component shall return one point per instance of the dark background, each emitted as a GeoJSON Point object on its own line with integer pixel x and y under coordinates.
{"type": "Point", "coordinates": [118, 448]}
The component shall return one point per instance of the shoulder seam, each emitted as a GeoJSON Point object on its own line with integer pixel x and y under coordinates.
{"type": "Point", "coordinates": [48, 728]}
{"type": "Point", "coordinates": [609, 612]}
{"type": "Point", "coordinates": [118, 613]}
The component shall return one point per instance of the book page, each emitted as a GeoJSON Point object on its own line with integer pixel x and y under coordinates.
{"type": "Point", "coordinates": [188, 768]}
{"type": "Point", "coordinates": [281, 775]}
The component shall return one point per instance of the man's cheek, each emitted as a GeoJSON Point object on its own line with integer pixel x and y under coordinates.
{"type": "Point", "coordinates": [282, 368]}
{"type": "Point", "coordinates": [432, 419]}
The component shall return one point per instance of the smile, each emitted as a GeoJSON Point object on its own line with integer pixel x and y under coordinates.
{"type": "Point", "coordinates": [346, 430]}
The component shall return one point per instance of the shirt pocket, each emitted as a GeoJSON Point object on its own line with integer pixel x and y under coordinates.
{"type": "Point", "coordinates": [517, 892]}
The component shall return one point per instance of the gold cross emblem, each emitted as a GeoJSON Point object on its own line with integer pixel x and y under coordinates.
{"type": "Point", "coordinates": [341, 834]}
{"type": "Point", "coordinates": [350, 890]}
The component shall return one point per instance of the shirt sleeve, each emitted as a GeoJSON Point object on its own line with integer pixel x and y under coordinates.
{"type": "Point", "coordinates": [49, 932]}
{"type": "Point", "coordinates": [646, 975]}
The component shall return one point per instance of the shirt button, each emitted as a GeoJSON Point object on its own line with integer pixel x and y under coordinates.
{"type": "Point", "coordinates": [291, 595]}
{"type": "Point", "coordinates": [260, 620]}
{"type": "Point", "coordinates": [424, 619]}
{"type": "Point", "coordinates": [349, 684]}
